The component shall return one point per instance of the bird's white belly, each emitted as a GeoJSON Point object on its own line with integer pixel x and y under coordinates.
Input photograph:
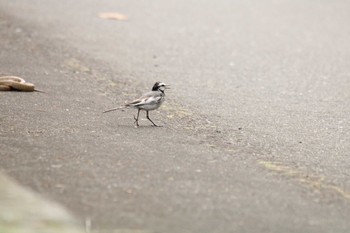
{"type": "Point", "coordinates": [150, 107]}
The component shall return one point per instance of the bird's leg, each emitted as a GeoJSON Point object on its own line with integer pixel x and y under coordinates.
{"type": "Point", "coordinates": [137, 118]}
{"type": "Point", "coordinates": [150, 119]}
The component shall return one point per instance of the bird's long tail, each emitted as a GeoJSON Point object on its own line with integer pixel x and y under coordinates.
{"type": "Point", "coordinates": [114, 109]}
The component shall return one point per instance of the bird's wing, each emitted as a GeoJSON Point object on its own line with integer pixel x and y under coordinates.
{"type": "Point", "coordinates": [151, 93]}
{"type": "Point", "coordinates": [146, 99]}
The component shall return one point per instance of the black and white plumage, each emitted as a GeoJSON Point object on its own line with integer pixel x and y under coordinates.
{"type": "Point", "coordinates": [147, 102]}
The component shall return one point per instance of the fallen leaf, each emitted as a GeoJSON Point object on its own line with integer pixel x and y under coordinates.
{"type": "Point", "coordinates": [112, 16]}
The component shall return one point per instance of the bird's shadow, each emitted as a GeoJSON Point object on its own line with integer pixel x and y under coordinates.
{"type": "Point", "coordinates": [141, 126]}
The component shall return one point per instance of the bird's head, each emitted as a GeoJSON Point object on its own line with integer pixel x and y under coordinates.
{"type": "Point", "coordinates": [159, 86]}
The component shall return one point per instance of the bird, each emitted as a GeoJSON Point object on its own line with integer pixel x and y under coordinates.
{"type": "Point", "coordinates": [147, 102]}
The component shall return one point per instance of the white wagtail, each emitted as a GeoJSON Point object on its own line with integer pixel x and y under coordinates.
{"type": "Point", "coordinates": [147, 102]}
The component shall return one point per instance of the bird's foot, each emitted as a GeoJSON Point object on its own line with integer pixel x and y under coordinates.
{"type": "Point", "coordinates": [136, 122]}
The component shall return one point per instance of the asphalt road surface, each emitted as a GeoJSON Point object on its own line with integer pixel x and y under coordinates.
{"type": "Point", "coordinates": [256, 127]}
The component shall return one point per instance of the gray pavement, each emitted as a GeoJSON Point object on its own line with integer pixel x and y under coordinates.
{"type": "Point", "coordinates": [256, 126]}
